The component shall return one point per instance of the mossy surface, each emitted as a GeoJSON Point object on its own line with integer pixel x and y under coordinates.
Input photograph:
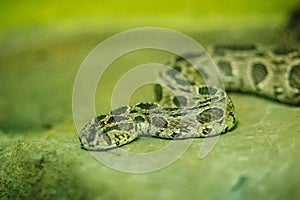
{"type": "Point", "coordinates": [258, 159]}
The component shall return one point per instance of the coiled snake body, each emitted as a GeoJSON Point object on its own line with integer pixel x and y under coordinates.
{"type": "Point", "coordinates": [199, 110]}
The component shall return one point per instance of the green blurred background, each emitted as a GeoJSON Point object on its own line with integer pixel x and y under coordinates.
{"type": "Point", "coordinates": [43, 43]}
{"type": "Point", "coordinates": [190, 15]}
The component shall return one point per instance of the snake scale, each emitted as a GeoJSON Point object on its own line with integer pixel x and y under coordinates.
{"type": "Point", "coordinates": [199, 110]}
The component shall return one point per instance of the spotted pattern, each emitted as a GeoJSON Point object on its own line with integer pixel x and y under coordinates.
{"type": "Point", "coordinates": [187, 107]}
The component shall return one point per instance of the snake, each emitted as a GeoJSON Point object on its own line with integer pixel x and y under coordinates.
{"type": "Point", "coordinates": [187, 107]}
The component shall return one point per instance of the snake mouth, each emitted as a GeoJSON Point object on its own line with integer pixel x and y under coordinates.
{"type": "Point", "coordinates": [103, 148]}
{"type": "Point", "coordinates": [99, 149]}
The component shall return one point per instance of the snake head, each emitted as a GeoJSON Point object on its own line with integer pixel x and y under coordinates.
{"type": "Point", "coordinates": [104, 132]}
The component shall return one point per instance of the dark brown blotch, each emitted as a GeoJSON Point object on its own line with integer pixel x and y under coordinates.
{"type": "Point", "coordinates": [139, 119]}
{"type": "Point", "coordinates": [180, 101]}
{"type": "Point", "coordinates": [91, 135]}
{"type": "Point", "coordinates": [107, 139]}
{"type": "Point", "coordinates": [147, 106]}
{"type": "Point", "coordinates": [225, 67]}
{"type": "Point", "coordinates": [294, 76]}
{"type": "Point", "coordinates": [283, 51]}
{"type": "Point", "coordinates": [207, 90]}
{"type": "Point", "coordinates": [177, 68]}
{"type": "Point", "coordinates": [99, 118]}
{"type": "Point", "coordinates": [117, 118]}
{"type": "Point", "coordinates": [172, 73]}
{"type": "Point", "coordinates": [158, 91]}
{"type": "Point", "coordinates": [119, 111]}
{"type": "Point", "coordinates": [210, 114]}
{"type": "Point", "coordinates": [182, 82]}
{"type": "Point", "coordinates": [159, 122]}
{"type": "Point", "coordinates": [125, 126]}
{"type": "Point", "coordinates": [259, 72]}
{"type": "Point", "coordinates": [235, 47]}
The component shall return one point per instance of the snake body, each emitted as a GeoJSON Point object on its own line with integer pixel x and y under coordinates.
{"type": "Point", "coordinates": [198, 109]}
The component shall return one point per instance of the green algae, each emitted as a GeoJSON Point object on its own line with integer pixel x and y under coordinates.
{"type": "Point", "coordinates": [43, 168]}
